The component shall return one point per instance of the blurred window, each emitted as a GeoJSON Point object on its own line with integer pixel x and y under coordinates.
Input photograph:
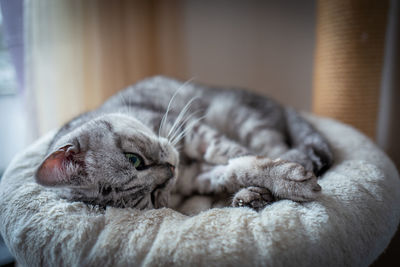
{"type": "Point", "coordinates": [8, 81]}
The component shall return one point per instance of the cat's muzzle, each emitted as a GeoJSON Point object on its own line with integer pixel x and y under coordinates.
{"type": "Point", "coordinates": [157, 191]}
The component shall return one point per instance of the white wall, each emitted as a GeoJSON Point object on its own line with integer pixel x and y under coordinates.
{"type": "Point", "coordinates": [266, 46]}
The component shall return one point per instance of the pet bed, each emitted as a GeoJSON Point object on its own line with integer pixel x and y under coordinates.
{"type": "Point", "coordinates": [349, 225]}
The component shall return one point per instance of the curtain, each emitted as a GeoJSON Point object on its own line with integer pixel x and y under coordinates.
{"type": "Point", "coordinates": [78, 53]}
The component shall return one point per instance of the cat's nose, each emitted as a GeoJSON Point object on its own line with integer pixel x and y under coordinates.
{"type": "Point", "coordinates": [171, 168]}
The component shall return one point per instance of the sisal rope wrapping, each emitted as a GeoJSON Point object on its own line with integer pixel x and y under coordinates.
{"type": "Point", "coordinates": [348, 61]}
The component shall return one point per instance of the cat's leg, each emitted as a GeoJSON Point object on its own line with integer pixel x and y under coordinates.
{"type": "Point", "coordinates": [215, 150]}
{"type": "Point", "coordinates": [257, 124]}
{"type": "Point", "coordinates": [263, 126]}
{"type": "Point", "coordinates": [206, 144]}
{"type": "Point", "coordinates": [310, 148]}
{"type": "Point", "coordinates": [231, 167]}
{"type": "Point", "coordinates": [265, 142]}
{"type": "Point", "coordinates": [209, 149]}
{"type": "Point", "coordinates": [283, 179]}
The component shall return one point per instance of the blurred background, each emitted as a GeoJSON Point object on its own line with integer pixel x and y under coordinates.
{"type": "Point", "coordinates": [338, 59]}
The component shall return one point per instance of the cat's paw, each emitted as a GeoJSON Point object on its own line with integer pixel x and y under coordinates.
{"type": "Point", "coordinates": [253, 197]}
{"type": "Point", "coordinates": [293, 181]}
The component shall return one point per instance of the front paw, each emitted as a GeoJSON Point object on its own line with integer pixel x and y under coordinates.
{"type": "Point", "coordinates": [253, 197]}
{"type": "Point", "coordinates": [292, 181]}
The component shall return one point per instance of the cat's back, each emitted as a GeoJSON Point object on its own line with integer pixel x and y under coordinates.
{"type": "Point", "coordinates": [156, 91]}
{"type": "Point", "coordinates": [149, 99]}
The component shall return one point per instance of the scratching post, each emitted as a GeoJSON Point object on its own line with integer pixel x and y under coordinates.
{"type": "Point", "coordinates": [348, 61]}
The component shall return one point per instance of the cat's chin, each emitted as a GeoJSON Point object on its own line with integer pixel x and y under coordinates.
{"type": "Point", "coordinates": [159, 197]}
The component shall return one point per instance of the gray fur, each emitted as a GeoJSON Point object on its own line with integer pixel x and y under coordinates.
{"type": "Point", "coordinates": [220, 140]}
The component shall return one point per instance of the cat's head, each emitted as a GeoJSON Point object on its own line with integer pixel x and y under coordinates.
{"type": "Point", "coordinates": [113, 160]}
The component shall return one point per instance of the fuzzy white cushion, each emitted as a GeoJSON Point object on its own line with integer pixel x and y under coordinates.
{"type": "Point", "coordinates": [351, 224]}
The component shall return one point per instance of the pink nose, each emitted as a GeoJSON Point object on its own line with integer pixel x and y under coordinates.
{"type": "Point", "coordinates": [172, 168]}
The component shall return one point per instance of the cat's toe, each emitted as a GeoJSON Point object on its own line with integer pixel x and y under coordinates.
{"type": "Point", "coordinates": [298, 185]}
{"type": "Point", "coordinates": [253, 197]}
{"type": "Point", "coordinates": [306, 190]}
{"type": "Point", "coordinates": [298, 173]}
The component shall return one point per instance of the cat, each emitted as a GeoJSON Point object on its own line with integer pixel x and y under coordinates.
{"type": "Point", "coordinates": [162, 135]}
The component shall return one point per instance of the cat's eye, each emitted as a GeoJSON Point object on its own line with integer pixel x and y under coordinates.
{"type": "Point", "coordinates": [136, 160]}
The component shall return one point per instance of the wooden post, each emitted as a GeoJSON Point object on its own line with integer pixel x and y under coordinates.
{"type": "Point", "coordinates": [348, 61]}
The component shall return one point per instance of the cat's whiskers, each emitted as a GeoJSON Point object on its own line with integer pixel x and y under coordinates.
{"type": "Point", "coordinates": [126, 106]}
{"type": "Point", "coordinates": [165, 116]}
{"type": "Point", "coordinates": [123, 202]}
{"type": "Point", "coordinates": [181, 115]}
{"type": "Point", "coordinates": [177, 130]}
{"type": "Point", "coordinates": [186, 130]}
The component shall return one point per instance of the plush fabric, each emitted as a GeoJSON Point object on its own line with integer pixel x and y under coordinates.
{"type": "Point", "coordinates": [350, 224]}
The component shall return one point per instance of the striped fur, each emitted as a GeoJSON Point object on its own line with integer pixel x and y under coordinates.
{"type": "Point", "coordinates": [219, 140]}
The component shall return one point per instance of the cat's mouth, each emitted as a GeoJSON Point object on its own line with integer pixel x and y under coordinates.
{"type": "Point", "coordinates": [155, 193]}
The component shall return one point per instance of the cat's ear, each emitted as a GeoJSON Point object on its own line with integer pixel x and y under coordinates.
{"type": "Point", "coordinates": [61, 167]}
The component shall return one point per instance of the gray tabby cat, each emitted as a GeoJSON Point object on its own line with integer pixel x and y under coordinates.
{"type": "Point", "coordinates": [127, 153]}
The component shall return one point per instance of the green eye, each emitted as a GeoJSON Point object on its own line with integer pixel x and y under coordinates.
{"type": "Point", "coordinates": [135, 159]}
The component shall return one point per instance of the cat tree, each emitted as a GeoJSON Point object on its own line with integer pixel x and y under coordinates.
{"type": "Point", "coordinates": [349, 60]}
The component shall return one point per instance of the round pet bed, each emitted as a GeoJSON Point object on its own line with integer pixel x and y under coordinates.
{"type": "Point", "coordinates": [350, 224]}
